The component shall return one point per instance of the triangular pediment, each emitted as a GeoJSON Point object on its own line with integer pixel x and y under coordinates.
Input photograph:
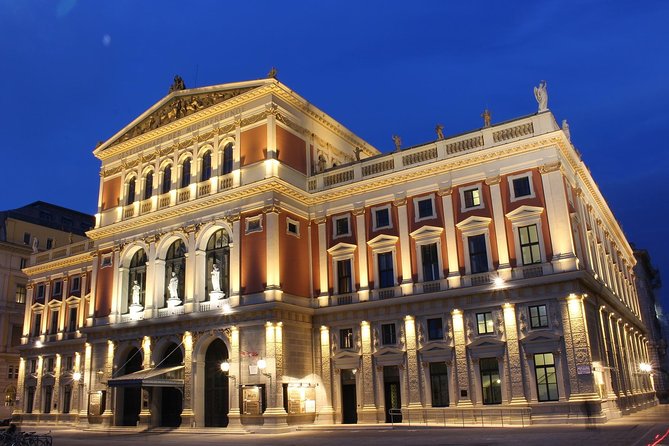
{"type": "Point", "coordinates": [341, 249]}
{"type": "Point", "coordinates": [383, 240]}
{"type": "Point", "coordinates": [177, 105]}
{"type": "Point", "coordinates": [474, 222]}
{"type": "Point", "coordinates": [426, 232]}
{"type": "Point", "coordinates": [541, 336]}
{"type": "Point", "coordinates": [525, 212]}
{"type": "Point", "coordinates": [346, 354]}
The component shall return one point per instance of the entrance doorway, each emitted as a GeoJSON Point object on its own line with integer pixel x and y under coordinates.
{"type": "Point", "coordinates": [131, 396]}
{"type": "Point", "coordinates": [391, 391]}
{"type": "Point", "coordinates": [349, 404]}
{"type": "Point", "coordinates": [216, 386]}
{"type": "Point", "coordinates": [171, 397]}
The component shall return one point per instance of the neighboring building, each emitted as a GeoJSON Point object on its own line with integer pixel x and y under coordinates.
{"type": "Point", "coordinates": [648, 286]}
{"type": "Point", "coordinates": [255, 262]}
{"type": "Point", "coordinates": [35, 227]}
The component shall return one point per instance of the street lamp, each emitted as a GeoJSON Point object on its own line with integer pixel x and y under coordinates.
{"type": "Point", "coordinates": [262, 365]}
{"type": "Point", "coordinates": [76, 376]}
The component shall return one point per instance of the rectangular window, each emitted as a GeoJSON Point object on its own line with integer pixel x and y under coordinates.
{"type": "Point", "coordinates": [72, 320]}
{"type": "Point", "coordinates": [341, 227]}
{"type": "Point", "coordinates": [57, 288]}
{"type": "Point", "coordinates": [68, 364]}
{"type": "Point", "coordinates": [167, 180]}
{"type": "Point", "coordinates": [388, 336]}
{"type": "Point", "coordinates": [292, 227]}
{"type": "Point", "coordinates": [435, 329]}
{"type": "Point", "coordinates": [439, 384]}
{"type": "Point", "coordinates": [344, 279]}
{"type": "Point", "coordinates": [23, 263]}
{"type": "Point", "coordinates": [53, 327]}
{"type": "Point", "coordinates": [485, 323]}
{"type": "Point", "coordinates": [386, 274]}
{"type": "Point", "coordinates": [529, 244]}
{"type": "Point", "coordinates": [17, 334]}
{"type": "Point", "coordinates": [425, 209]}
{"type": "Point", "coordinates": [33, 366]}
{"type": "Point", "coordinates": [41, 289]}
{"type": "Point", "coordinates": [49, 243]}
{"type": "Point", "coordinates": [37, 324]}
{"type": "Point", "coordinates": [382, 218]}
{"type": "Point", "coordinates": [21, 292]}
{"type": "Point", "coordinates": [26, 238]}
{"type": "Point", "coordinates": [346, 338]}
{"type": "Point", "coordinates": [521, 187]}
{"type": "Point", "coordinates": [76, 284]}
{"type": "Point", "coordinates": [478, 255]}
{"type": "Point", "coordinates": [10, 372]}
{"type": "Point", "coordinates": [428, 254]}
{"type": "Point", "coordinates": [50, 364]}
{"type": "Point", "coordinates": [491, 384]}
{"type": "Point", "coordinates": [254, 224]}
{"type": "Point", "coordinates": [30, 399]}
{"type": "Point", "coordinates": [472, 198]}
{"type": "Point", "coordinates": [67, 398]}
{"type": "Point", "coordinates": [538, 316]}
{"type": "Point", "coordinates": [544, 367]}
{"type": "Point", "coordinates": [48, 394]}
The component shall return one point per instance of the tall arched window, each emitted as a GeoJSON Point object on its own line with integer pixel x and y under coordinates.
{"type": "Point", "coordinates": [185, 173]}
{"type": "Point", "coordinates": [167, 179]}
{"type": "Point", "coordinates": [175, 262]}
{"type": "Point", "coordinates": [218, 253]}
{"type": "Point", "coordinates": [130, 197]}
{"type": "Point", "coordinates": [137, 271]}
{"type": "Point", "coordinates": [227, 158]}
{"type": "Point", "coordinates": [148, 185]}
{"type": "Point", "coordinates": [205, 172]}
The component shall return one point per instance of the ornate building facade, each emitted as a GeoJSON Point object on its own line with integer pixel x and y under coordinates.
{"type": "Point", "coordinates": [256, 263]}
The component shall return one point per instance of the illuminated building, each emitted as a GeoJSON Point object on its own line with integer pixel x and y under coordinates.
{"type": "Point", "coordinates": [474, 271]}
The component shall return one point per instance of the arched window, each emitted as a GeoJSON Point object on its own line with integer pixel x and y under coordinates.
{"type": "Point", "coordinates": [227, 158]}
{"type": "Point", "coordinates": [218, 253]}
{"type": "Point", "coordinates": [148, 185]}
{"type": "Point", "coordinates": [137, 271]}
{"type": "Point", "coordinates": [167, 179]}
{"type": "Point", "coordinates": [185, 173]}
{"type": "Point", "coordinates": [205, 172]}
{"type": "Point", "coordinates": [175, 262]}
{"type": "Point", "coordinates": [130, 197]}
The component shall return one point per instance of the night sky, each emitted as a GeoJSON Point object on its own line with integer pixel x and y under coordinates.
{"type": "Point", "coordinates": [76, 72]}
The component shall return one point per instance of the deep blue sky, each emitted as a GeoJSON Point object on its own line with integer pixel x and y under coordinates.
{"type": "Point", "coordinates": [75, 72]}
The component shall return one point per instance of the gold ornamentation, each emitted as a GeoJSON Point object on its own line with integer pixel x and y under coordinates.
{"type": "Point", "coordinates": [493, 180]}
{"type": "Point", "coordinates": [550, 167]}
{"type": "Point", "coordinates": [400, 202]}
{"type": "Point", "coordinates": [272, 208]}
{"type": "Point", "coordinates": [319, 220]}
{"type": "Point", "coordinates": [442, 192]}
{"type": "Point", "coordinates": [359, 211]}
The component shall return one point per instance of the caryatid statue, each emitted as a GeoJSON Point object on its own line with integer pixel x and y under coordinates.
{"type": "Point", "coordinates": [541, 95]}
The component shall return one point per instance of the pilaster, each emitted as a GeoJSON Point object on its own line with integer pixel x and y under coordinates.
{"type": "Point", "coordinates": [405, 252]}
{"type": "Point", "coordinates": [326, 411]}
{"type": "Point", "coordinates": [366, 410]}
{"type": "Point", "coordinates": [463, 395]}
{"type": "Point", "coordinates": [361, 239]}
{"type": "Point", "coordinates": [322, 262]}
{"type": "Point", "coordinates": [577, 349]}
{"type": "Point", "coordinates": [273, 277]}
{"type": "Point", "coordinates": [235, 259]}
{"type": "Point", "coordinates": [504, 269]}
{"type": "Point", "coordinates": [451, 242]}
{"type": "Point", "coordinates": [413, 364]}
{"type": "Point", "coordinates": [513, 356]}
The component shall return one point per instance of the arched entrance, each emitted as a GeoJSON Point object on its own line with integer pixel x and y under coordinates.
{"type": "Point", "coordinates": [171, 398]}
{"type": "Point", "coordinates": [130, 398]}
{"type": "Point", "coordinates": [216, 388]}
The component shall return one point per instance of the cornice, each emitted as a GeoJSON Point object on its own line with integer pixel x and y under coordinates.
{"type": "Point", "coordinates": [83, 258]}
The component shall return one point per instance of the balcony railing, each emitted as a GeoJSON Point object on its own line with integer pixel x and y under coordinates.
{"type": "Point", "coordinates": [164, 200]}
{"type": "Point", "coordinates": [164, 312]}
{"type": "Point", "coordinates": [62, 252]}
{"type": "Point", "coordinates": [203, 189]}
{"type": "Point", "coordinates": [183, 194]}
{"type": "Point", "coordinates": [146, 206]}
{"type": "Point", "coordinates": [129, 211]}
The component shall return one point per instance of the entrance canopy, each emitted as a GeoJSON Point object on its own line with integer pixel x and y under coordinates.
{"type": "Point", "coordinates": [156, 377]}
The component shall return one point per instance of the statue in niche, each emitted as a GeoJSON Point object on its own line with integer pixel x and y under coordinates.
{"type": "Point", "coordinates": [398, 143]}
{"type": "Point", "coordinates": [541, 95]}
{"type": "Point", "coordinates": [216, 278]}
{"type": "Point", "coordinates": [486, 117]}
{"type": "Point", "coordinates": [173, 287]}
{"type": "Point", "coordinates": [135, 293]}
{"type": "Point", "coordinates": [35, 244]}
{"type": "Point", "coordinates": [440, 131]}
{"type": "Point", "coordinates": [321, 164]}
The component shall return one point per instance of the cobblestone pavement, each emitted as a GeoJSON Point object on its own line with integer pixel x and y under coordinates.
{"type": "Point", "coordinates": [641, 429]}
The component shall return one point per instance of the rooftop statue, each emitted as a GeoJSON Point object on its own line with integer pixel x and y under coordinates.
{"type": "Point", "coordinates": [440, 131]}
{"type": "Point", "coordinates": [486, 117]}
{"type": "Point", "coordinates": [541, 95]}
{"type": "Point", "coordinates": [398, 142]}
{"type": "Point", "coordinates": [177, 84]}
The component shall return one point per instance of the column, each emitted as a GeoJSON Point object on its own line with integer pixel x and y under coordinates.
{"type": "Point", "coordinates": [235, 259]}
{"type": "Point", "coordinates": [81, 314]}
{"type": "Point", "coordinates": [463, 392]}
{"type": "Point", "coordinates": [275, 414]}
{"type": "Point", "coordinates": [413, 363]}
{"type": "Point", "coordinates": [75, 403]}
{"type": "Point", "coordinates": [117, 287]}
{"type": "Point", "coordinates": [271, 162]}
{"type": "Point", "coordinates": [234, 414]}
{"type": "Point", "coordinates": [273, 278]}
{"type": "Point", "coordinates": [236, 153]}
{"type": "Point", "coordinates": [322, 261]}
{"type": "Point", "coordinates": [326, 411]}
{"type": "Point", "coordinates": [152, 277]}
{"type": "Point", "coordinates": [108, 414]}
{"type": "Point", "coordinates": [37, 401]}
{"type": "Point", "coordinates": [55, 396]}
{"type": "Point", "coordinates": [513, 359]}
{"type": "Point", "coordinates": [145, 409]}
{"type": "Point", "coordinates": [187, 414]}
{"type": "Point", "coordinates": [20, 402]}
{"type": "Point", "coordinates": [361, 239]}
{"type": "Point", "coordinates": [191, 270]}
{"type": "Point", "coordinates": [504, 269]}
{"type": "Point", "coordinates": [451, 242]}
{"type": "Point", "coordinates": [90, 315]}
{"type": "Point", "coordinates": [610, 393]}
{"type": "Point", "coordinates": [622, 363]}
{"type": "Point", "coordinates": [557, 212]}
{"type": "Point", "coordinates": [366, 410]}
{"type": "Point", "coordinates": [403, 228]}
{"type": "Point", "coordinates": [27, 315]}
{"type": "Point", "coordinates": [87, 377]}
{"type": "Point", "coordinates": [577, 349]}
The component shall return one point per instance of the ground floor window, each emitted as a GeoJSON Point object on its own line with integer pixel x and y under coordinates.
{"type": "Point", "coordinates": [48, 393]}
{"type": "Point", "coordinates": [491, 384]}
{"type": "Point", "coordinates": [439, 384]}
{"type": "Point", "coordinates": [30, 399]}
{"type": "Point", "coordinates": [67, 398]}
{"type": "Point", "coordinates": [544, 367]}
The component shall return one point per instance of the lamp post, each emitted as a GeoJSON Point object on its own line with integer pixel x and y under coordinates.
{"type": "Point", "coordinates": [262, 365]}
{"type": "Point", "coordinates": [225, 368]}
